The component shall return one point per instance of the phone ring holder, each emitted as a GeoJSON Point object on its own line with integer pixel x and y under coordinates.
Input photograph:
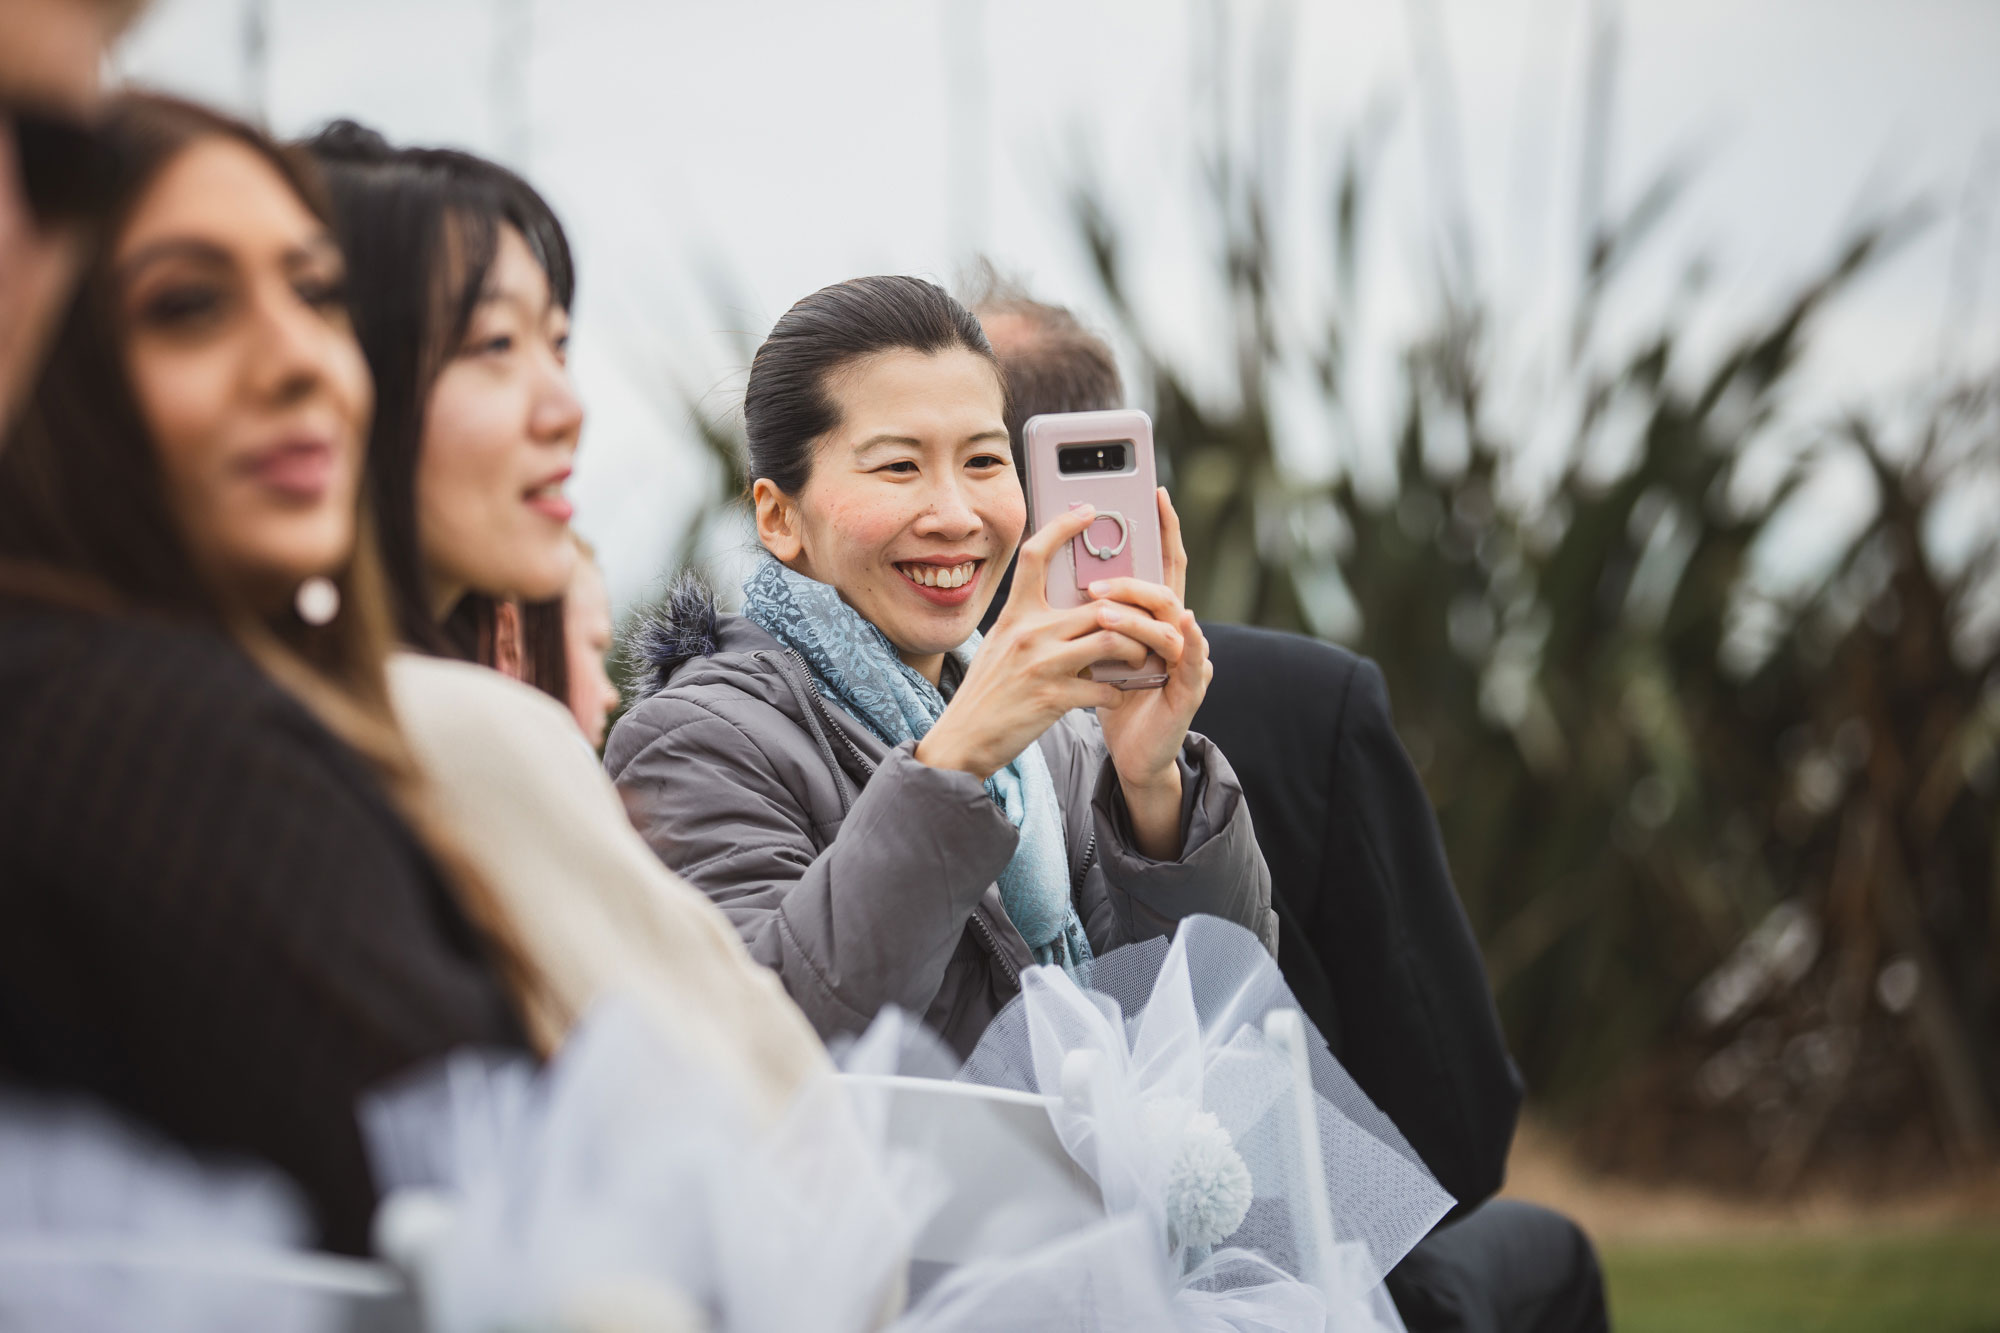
{"type": "Point", "coordinates": [1107, 552]}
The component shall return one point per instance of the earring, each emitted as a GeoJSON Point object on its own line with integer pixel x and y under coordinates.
{"type": "Point", "coordinates": [317, 600]}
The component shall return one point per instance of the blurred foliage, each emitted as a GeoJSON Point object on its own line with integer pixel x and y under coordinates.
{"type": "Point", "coordinates": [1731, 853]}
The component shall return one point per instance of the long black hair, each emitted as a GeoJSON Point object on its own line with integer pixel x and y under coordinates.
{"type": "Point", "coordinates": [421, 227]}
{"type": "Point", "coordinates": [787, 405]}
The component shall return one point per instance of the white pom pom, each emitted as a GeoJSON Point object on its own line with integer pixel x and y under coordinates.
{"type": "Point", "coordinates": [413, 1227]}
{"type": "Point", "coordinates": [1208, 1187]}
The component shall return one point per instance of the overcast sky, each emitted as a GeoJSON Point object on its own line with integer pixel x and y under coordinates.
{"type": "Point", "coordinates": [716, 161]}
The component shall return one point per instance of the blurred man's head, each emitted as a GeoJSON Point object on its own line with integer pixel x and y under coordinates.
{"type": "Point", "coordinates": [50, 53]}
{"type": "Point", "coordinates": [1051, 362]}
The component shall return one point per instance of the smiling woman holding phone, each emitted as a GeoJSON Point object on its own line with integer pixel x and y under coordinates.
{"type": "Point", "coordinates": [891, 810]}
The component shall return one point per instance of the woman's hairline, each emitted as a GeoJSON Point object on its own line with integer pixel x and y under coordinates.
{"type": "Point", "coordinates": [846, 370]}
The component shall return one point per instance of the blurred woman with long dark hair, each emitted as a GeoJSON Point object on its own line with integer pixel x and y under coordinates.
{"type": "Point", "coordinates": [460, 281]}
{"type": "Point", "coordinates": [227, 906]}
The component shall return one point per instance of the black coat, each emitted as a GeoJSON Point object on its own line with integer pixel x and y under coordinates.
{"type": "Point", "coordinates": [1372, 937]}
{"type": "Point", "coordinates": [210, 915]}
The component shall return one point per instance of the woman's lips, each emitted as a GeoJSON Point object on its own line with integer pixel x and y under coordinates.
{"type": "Point", "coordinates": [968, 569]}
{"type": "Point", "coordinates": [554, 506]}
{"type": "Point", "coordinates": [548, 499]}
{"type": "Point", "coordinates": [299, 470]}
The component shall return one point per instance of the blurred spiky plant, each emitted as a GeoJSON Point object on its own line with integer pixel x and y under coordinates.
{"type": "Point", "coordinates": [1731, 853]}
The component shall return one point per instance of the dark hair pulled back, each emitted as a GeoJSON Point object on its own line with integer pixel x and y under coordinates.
{"type": "Point", "coordinates": [788, 404]}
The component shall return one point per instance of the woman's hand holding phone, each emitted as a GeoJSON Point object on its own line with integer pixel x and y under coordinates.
{"type": "Point", "coordinates": [1144, 729]}
{"type": "Point", "coordinates": [1029, 671]}
{"type": "Point", "coordinates": [1032, 669]}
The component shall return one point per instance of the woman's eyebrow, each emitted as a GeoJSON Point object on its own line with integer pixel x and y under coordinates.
{"type": "Point", "coordinates": [494, 294]}
{"type": "Point", "coordinates": [319, 247]}
{"type": "Point", "coordinates": [524, 304]}
{"type": "Point", "coordinates": [987, 435]}
{"type": "Point", "coordinates": [174, 247]}
{"type": "Point", "coordinates": [874, 440]}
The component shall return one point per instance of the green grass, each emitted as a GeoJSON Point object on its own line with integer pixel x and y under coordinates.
{"type": "Point", "coordinates": [1926, 1282]}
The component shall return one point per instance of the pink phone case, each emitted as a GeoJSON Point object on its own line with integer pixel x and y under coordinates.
{"type": "Point", "coordinates": [1125, 538]}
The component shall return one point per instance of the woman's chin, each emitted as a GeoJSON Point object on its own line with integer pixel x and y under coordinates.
{"type": "Point", "coordinates": [927, 635]}
{"type": "Point", "coordinates": [542, 581]}
{"type": "Point", "coordinates": [273, 566]}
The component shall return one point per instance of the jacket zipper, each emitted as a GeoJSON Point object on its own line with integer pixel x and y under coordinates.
{"type": "Point", "coordinates": [992, 943]}
{"type": "Point", "coordinates": [819, 702]}
{"type": "Point", "coordinates": [1083, 871]}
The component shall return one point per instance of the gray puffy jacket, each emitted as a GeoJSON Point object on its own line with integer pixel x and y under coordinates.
{"type": "Point", "coordinates": [866, 878]}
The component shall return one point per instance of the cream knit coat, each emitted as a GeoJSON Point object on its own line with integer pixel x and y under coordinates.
{"type": "Point", "coordinates": [593, 906]}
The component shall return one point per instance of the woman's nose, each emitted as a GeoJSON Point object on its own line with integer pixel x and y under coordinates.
{"type": "Point", "coordinates": [558, 412]}
{"type": "Point", "coordinates": [950, 513]}
{"type": "Point", "coordinates": [290, 348]}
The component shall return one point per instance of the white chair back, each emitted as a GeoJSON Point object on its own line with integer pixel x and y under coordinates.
{"type": "Point", "coordinates": [1012, 1184]}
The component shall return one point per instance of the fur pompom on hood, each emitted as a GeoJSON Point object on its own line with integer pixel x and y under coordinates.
{"type": "Point", "coordinates": [679, 627]}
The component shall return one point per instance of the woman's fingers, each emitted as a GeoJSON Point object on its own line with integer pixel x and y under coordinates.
{"type": "Point", "coordinates": [1076, 621]}
{"type": "Point", "coordinates": [1104, 646]}
{"type": "Point", "coordinates": [1161, 636]}
{"type": "Point", "coordinates": [1188, 685]}
{"type": "Point", "coordinates": [1194, 659]}
{"type": "Point", "coordinates": [1173, 551]}
{"type": "Point", "coordinates": [1157, 599]}
{"type": "Point", "coordinates": [1084, 692]}
{"type": "Point", "coordinates": [1031, 568]}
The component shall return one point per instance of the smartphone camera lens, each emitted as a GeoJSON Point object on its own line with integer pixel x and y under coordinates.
{"type": "Point", "coordinates": [1074, 459]}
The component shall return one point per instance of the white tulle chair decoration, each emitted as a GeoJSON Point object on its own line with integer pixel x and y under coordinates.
{"type": "Point", "coordinates": [624, 1187]}
{"type": "Point", "coordinates": [1183, 1079]}
{"type": "Point", "coordinates": [106, 1226]}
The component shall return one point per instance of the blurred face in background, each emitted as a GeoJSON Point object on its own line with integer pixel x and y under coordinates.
{"type": "Point", "coordinates": [587, 636]}
{"type": "Point", "coordinates": [500, 434]}
{"type": "Point", "coordinates": [913, 507]}
{"type": "Point", "coordinates": [49, 55]}
{"type": "Point", "coordinates": [230, 295]}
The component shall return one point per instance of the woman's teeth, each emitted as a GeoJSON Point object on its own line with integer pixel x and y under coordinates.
{"type": "Point", "coordinates": [940, 576]}
{"type": "Point", "coordinates": [552, 491]}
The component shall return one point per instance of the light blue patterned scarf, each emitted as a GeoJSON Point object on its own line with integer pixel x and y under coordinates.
{"type": "Point", "coordinates": [856, 666]}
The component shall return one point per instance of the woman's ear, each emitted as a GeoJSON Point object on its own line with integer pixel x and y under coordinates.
{"type": "Point", "coordinates": [507, 640]}
{"type": "Point", "coordinates": [778, 521]}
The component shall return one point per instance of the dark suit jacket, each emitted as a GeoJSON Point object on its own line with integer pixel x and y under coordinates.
{"type": "Point", "coordinates": [210, 915]}
{"type": "Point", "coordinates": [1372, 937]}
